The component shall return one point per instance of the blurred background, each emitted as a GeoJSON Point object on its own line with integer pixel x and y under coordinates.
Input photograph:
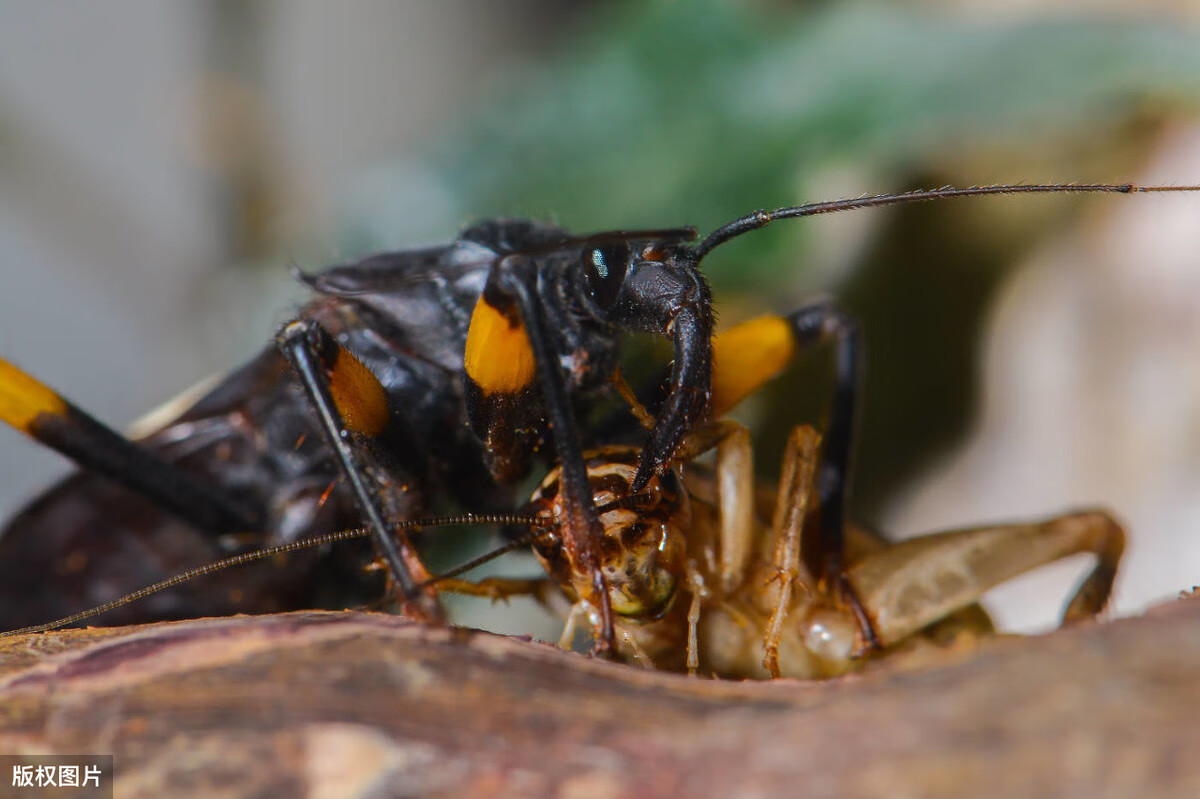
{"type": "Point", "coordinates": [161, 165]}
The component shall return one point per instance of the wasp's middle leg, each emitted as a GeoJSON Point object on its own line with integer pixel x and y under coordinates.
{"type": "Point", "coordinates": [350, 401]}
{"type": "Point", "coordinates": [513, 283]}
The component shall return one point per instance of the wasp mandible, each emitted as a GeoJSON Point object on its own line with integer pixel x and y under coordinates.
{"type": "Point", "coordinates": [409, 377]}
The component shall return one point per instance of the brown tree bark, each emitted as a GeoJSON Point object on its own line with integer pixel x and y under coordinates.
{"type": "Point", "coordinates": [356, 704]}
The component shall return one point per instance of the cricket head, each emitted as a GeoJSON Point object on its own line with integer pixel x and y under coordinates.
{"type": "Point", "coordinates": [642, 550]}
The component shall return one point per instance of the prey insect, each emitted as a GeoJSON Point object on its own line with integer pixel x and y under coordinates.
{"type": "Point", "coordinates": [707, 570]}
{"type": "Point", "coordinates": [412, 378]}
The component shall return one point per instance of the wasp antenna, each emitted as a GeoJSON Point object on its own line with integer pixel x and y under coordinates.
{"type": "Point", "coordinates": [762, 218]}
{"type": "Point", "coordinates": [267, 552]}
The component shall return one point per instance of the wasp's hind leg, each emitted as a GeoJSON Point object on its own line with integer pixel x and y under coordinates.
{"type": "Point", "coordinates": [38, 411]}
{"type": "Point", "coordinates": [912, 584]}
{"type": "Point", "coordinates": [350, 401]}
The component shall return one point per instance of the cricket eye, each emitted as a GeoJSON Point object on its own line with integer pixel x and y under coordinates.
{"type": "Point", "coordinates": [606, 266]}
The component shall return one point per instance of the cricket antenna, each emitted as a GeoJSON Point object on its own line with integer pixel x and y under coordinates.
{"type": "Point", "coordinates": [760, 219]}
{"type": "Point", "coordinates": [487, 557]}
{"type": "Point", "coordinates": [267, 552]}
{"type": "Point", "coordinates": [540, 525]}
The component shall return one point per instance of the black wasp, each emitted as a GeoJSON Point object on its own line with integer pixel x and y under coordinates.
{"type": "Point", "coordinates": [409, 377]}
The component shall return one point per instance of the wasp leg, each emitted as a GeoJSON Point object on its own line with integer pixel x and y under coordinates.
{"type": "Point", "coordinates": [751, 354]}
{"type": "Point", "coordinates": [38, 411]}
{"type": "Point", "coordinates": [916, 582]}
{"type": "Point", "coordinates": [791, 508]}
{"type": "Point", "coordinates": [518, 344]}
{"type": "Point", "coordinates": [328, 373]}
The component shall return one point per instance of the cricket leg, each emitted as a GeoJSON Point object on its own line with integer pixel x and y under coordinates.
{"type": "Point", "coordinates": [696, 586]}
{"type": "Point", "coordinates": [795, 488]}
{"type": "Point", "coordinates": [916, 582]}
{"type": "Point", "coordinates": [500, 589]}
{"type": "Point", "coordinates": [734, 493]}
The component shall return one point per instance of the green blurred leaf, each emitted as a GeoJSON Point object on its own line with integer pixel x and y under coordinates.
{"type": "Point", "coordinates": [669, 113]}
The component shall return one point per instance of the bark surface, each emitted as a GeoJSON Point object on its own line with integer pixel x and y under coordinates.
{"type": "Point", "coordinates": [367, 705]}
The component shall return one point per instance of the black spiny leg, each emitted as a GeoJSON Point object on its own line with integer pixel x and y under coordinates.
{"type": "Point", "coordinates": [583, 525]}
{"type": "Point", "coordinates": [316, 355]}
{"type": "Point", "coordinates": [816, 324]}
{"type": "Point", "coordinates": [509, 349]}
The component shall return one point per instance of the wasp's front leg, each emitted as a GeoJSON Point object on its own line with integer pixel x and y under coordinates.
{"type": "Point", "coordinates": [914, 583]}
{"type": "Point", "coordinates": [349, 401]}
{"type": "Point", "coordinates": [509, 346]}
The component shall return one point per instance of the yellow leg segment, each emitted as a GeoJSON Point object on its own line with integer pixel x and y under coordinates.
{"type": "Point", "coordinates": [747, 356]}
{"type": "Point", "coordinates": [23, 398]}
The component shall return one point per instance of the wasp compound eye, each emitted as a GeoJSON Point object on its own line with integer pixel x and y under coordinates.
{"type": "Point", "coordinates": [606, 266]}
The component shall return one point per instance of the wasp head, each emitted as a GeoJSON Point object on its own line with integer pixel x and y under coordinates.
{"type": "Point", "coordinates": [652, 285]}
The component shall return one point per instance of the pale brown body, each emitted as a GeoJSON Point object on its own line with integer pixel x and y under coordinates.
{"type": "Point", "coordinates": [700, 582]}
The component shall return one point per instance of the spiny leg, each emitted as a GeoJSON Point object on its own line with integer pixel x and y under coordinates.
{"type": "Point", "coordinates": [502, 589]}
{"type": "Point", "coordinates": [696, 587]}
{"type": "Point", "coordinates": [916, 582]}
{"type": "Point", "coordinates": [751, 354]}
{"type": "Point", "coordinates": [1104, 537]}
{"type": "Point", "coordinates": [38, 411]}
{"type": "Point", "coordinates": [735, 493]}
{"type": "Point", "coordinates": [736, 509]}
{"type": "Point", "coordinates": [348, 398]}
{"type": "Point", "coordinates": [513, 283]}
{"type": "Point", "coordinates": [791, 508]}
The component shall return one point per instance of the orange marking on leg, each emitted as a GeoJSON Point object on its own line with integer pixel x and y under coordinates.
{"type": "Point", "coordinates": [747, 356]}
{"type": "Point", "coordinates": [23, 399]}
{"type": "Point", "coordinates": [498, 356]}
{"type": "Point", "coordinates": [358, 394]}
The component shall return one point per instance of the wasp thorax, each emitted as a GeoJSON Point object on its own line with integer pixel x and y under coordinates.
{"type": "Point", "coordinates": [642, 550]}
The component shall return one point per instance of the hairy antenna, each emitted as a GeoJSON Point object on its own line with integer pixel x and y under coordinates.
{"type": "Point", "coordinates": [760, 219]}
{"type": "Point", "coordinates": [540, 525]}
{"type": "Point", "coordinates": [267, 552]}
